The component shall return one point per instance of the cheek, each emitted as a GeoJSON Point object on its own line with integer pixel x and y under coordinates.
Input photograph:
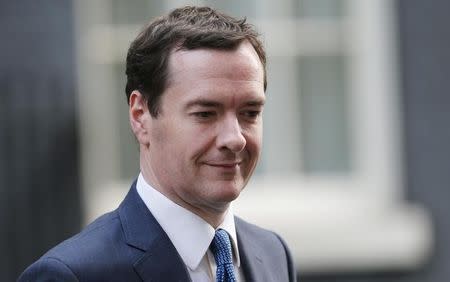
{"type": "Point", "coordinates": [199, 141]}
{"type": "Point", "coordinates": [254, 141]}
{"type": "Point", "coordinates": [158, 132]}
{"type": "Point", "coordinates": [170, 135]}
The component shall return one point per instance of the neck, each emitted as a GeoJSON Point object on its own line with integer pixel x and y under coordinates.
{"type": "Point", "coordinates": [213, 215]}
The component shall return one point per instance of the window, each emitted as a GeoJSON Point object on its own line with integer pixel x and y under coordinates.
{"type": "Point", "coordinates": [330, 178]}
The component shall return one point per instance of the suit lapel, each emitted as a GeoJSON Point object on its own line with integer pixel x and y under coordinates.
{"type": "Point", "coordinates": [250, 254]}
{"type": "Point", "coordinates": [161, 263]}
{"type": "Point", "coordinates": [160, 260]}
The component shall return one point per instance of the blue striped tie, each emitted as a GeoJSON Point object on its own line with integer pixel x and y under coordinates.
{"type": "Point", "coordinates": [221, 248]}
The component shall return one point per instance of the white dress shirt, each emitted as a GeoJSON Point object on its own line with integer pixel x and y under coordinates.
{"type": "Point", "coordinates": [189, 233]}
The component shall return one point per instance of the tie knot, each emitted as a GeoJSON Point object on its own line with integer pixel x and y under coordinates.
{"type": "Point", "coordinates": [221, 247]}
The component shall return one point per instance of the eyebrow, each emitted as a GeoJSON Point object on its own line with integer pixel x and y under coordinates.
{"type": "Point", "coordinates": [211, 104]}
{"type": "Point", "coordinates": [259, 102]}
{"type": "Point", "coordinates": [202, 103]}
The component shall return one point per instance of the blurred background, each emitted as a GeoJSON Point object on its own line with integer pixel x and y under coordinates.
{"type": "Point", "coordinates": [355, 169]}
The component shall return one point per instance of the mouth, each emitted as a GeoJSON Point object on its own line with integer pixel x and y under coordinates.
{"type": "Point", "coordinates": [225, 164]}
{"type": "Point", "coordinates": [225, 170]}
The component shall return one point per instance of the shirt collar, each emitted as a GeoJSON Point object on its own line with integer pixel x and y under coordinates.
{"type": "Point", "coordinates": [189, 233]}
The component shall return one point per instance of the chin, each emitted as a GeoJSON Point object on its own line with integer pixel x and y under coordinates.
{"type": "Point", "coordinates": [229, 193]}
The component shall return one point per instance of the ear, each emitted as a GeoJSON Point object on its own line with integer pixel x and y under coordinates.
{"type": "Point", "coordinates": [140, 117]}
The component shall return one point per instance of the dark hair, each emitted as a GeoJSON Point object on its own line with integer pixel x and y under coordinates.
{"type": "Point", "coordinates": [183, 28]}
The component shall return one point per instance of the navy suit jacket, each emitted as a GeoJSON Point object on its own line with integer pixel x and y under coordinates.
{"type": "Point", "coordinates": [128, 244]}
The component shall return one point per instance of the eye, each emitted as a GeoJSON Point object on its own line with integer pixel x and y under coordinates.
{"type": "Point", "coordinates": [251, 114]}
{"type": "Point", "coordinates": [204, 115]}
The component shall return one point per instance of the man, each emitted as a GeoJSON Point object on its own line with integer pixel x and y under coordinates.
{"type": "Point", "coordinates": [196, 83]}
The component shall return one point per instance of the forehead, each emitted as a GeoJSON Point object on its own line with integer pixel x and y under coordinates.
{"type": "Point", "coordinates": [225, 77]}
{"type": "Point", "coordinates": [240, 64]}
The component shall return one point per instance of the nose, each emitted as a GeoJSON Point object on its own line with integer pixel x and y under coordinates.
{"type": "Point", "coordinates": [230, 135]}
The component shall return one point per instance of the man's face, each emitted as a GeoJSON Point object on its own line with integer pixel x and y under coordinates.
{"type": "Point", "coordinates": [205, 142]}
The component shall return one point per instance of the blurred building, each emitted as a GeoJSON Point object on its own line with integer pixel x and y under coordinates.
{"type": "Point", "coordinates": [354, 169]}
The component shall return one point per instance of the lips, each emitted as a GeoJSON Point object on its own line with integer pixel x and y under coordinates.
{"type": "Point", "coordinates": [227, 164]}
{"type": "Point", "coordinates": [224, 163]}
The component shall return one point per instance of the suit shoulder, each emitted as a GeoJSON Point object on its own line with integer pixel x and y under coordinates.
{"type": "Point", "coordinates": [254, 230]}
{"type": "Point", "coordinates": [48, 269]}
{"type": "Point", "coordinates": [94, 252]}
{"type": "Point", "coordinates": [95, 233]}
{"type": "Point", "coordinates": [98, 253]}
{"type": "Point", "coordinates": [269, 245]}
{"type": "Point", "coordinates": [265, 237]}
